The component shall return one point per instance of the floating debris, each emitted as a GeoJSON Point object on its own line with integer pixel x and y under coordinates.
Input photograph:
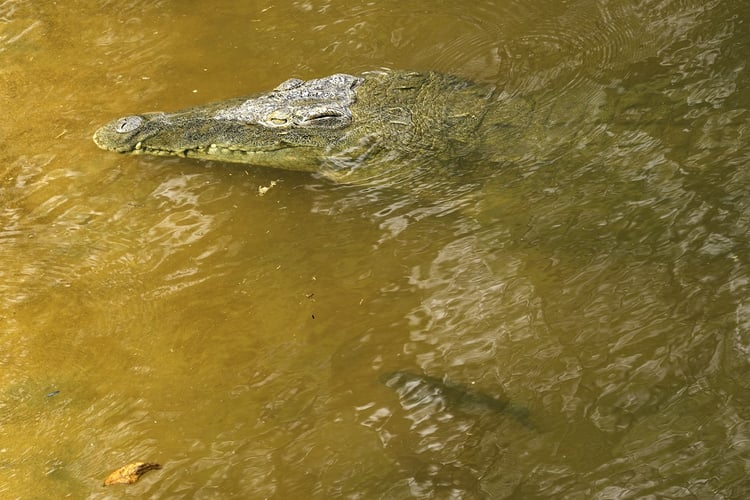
{"type": "Point", "coordinates": [52, 394]}
{"type": "Point", "coordinates": [130, 473]}
{"type": "Point", "coordinates": [264, 189]}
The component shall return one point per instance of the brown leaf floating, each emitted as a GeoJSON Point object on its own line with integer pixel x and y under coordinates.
{"type": "Point", "coordinates": [130, 473]}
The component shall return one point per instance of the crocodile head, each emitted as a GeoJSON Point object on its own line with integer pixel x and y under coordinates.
{"type": "Point", "coordinates": [289, 127]}
{"type": "Point", "coordinates": [348, 128]}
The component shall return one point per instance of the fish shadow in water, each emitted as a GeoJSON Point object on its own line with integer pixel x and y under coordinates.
{"type": "Point", "coordinates": [416, 390]}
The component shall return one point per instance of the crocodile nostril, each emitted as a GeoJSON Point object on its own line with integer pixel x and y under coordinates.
{"type": "Point", "coordinates": [128, 124]}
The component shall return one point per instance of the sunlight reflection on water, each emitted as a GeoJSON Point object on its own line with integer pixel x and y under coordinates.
{"type": "Point", "coordinates": [591, 270]}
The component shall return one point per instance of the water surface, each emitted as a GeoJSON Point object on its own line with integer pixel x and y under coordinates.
{"type": "Point", "coordinates": [594, 273]}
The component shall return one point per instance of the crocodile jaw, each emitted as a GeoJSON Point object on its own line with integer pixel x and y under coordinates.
{"type": "Point", "coordinates": [294, 126]}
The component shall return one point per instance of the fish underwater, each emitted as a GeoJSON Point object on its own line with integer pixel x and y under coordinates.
{"type": "Point", "coordinates": [417, 390]}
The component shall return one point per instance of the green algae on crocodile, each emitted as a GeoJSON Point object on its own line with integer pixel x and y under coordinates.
{"type": "Point", "coordinates": [334, 125]}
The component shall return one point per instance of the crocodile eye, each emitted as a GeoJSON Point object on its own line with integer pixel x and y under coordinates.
{"type": "Point", "coordinates": [277, 118]}
{"type": "Point", "coordinates": [128, 124]}
{"type": "Point", "coordinates": [323, 118]}
{"type": "Point", "coordinates": [273, 120]}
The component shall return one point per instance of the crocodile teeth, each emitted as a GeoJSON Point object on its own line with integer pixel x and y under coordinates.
{"type": "Point", "coordinates": [138, 145]}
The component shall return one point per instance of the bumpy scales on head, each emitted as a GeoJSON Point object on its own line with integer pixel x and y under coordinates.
{"type": "Point", "coordinates": [333, 125]}
{"type": "Point", "coordinates": [278, 128]}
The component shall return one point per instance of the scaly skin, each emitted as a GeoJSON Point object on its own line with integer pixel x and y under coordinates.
{"type": "Point", "coordinates": [332, 125]}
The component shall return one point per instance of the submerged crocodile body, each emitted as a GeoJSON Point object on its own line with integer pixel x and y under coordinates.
{"type": "Point", "coordinates": [333, 125]}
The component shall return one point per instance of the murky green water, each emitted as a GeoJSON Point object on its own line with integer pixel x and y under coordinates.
{"type": "Point", "coordinates": [599, 278]}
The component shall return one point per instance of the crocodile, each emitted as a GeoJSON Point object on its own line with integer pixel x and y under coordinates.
{"type": "Point", "coordinates": [336, 125]}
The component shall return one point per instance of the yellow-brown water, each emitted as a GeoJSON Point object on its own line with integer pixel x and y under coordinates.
{"type": "Point", "coordinates": [162, 310]}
